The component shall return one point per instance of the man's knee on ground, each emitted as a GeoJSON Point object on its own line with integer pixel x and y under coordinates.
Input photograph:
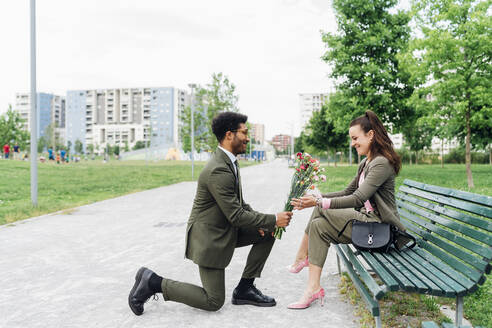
{"type": "Point", "coordinates": [215, 303]}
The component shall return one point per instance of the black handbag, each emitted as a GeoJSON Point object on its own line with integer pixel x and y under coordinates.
{"type": "Point", "coordinates": [374, 236]}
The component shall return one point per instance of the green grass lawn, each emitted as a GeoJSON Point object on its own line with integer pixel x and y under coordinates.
{"type": "Point", "coordinates": [401, 309]}
{"type": "Point", "coordinates": [452, 176]}
{"type": "Point", "coordinates": [70, 185]}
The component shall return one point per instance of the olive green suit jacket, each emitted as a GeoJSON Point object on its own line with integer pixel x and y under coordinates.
{"type": "Point", "coordinates": [378, 187]}
{"type": "Point", "coordinates": [218, 215]}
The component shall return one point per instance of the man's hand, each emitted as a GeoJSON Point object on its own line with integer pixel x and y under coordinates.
{"type": "Point", "coordinates": [283, 219]}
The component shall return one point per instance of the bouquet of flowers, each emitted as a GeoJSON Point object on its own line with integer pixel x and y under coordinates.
{"type": "Point", "coordinates": [306, 175]}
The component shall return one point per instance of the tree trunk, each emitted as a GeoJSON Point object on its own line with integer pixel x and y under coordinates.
{"type": "Point", "coordinates": [328, 155]}
{"type": "Point", "coordinates": [468, 152]}
{"type": "Point", "coordinates": [490, 154]}
{"type": "Point", "coordinates": [335, 158]}
{"type": "Point", "coordinates": [442, 153]}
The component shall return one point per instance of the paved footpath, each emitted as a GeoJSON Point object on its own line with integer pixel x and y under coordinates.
{"type": "Point", "coordinates": [76, 268]}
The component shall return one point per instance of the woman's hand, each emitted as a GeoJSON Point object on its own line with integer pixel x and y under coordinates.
{"type": "Point", "coordinates": [303, 202]}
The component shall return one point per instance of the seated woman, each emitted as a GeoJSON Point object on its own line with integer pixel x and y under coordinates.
{"type": "Point", "coordinates": [369, 197]}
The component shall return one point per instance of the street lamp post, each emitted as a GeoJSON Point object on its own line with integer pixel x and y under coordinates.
{"type": "Point", "coordinates": [192, 86]}
{"type": "Point", "coordinates": [34, 116]}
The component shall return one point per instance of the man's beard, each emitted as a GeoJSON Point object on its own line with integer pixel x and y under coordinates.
{"type": "Point", "coordinates": [238, 147]}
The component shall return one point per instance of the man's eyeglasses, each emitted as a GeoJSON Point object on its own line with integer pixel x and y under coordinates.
{"type": "Point", "coordinates": [243, 131]}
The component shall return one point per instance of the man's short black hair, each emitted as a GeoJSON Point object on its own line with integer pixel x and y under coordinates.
{"type": "Point", "coordinates": [227, 121]}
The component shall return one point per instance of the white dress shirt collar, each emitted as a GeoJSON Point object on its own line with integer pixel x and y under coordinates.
{"type": "Point", "coordinates": [230, 155]}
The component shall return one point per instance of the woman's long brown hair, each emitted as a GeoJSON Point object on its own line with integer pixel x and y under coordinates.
{"type": "Point", "coordinates": [381, 143]}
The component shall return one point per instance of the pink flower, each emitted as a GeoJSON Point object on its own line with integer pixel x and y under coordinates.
{"type": "Point", "coordinates": [302, 167]}
{"type": "Point", "coordinates": [323, 177]}
{"type": "Point", "coordinates": [312, 160]}
{"type": "Point", "coordinates": [315, 178]}
{"type": "Point", "coordinates": [298, 170]}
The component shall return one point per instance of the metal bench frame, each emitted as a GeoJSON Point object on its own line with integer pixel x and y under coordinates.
{"type": "Point", "coordinates": [453, 254]}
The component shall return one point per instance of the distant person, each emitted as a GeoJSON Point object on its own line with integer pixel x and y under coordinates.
{"type": "Point", "coordinates": [62, 154]}
{"type": "Point", "coordinates": [16, 151]}
{"type": "Point", "coordinates": [51, 156]}
{"type": "Point", "coordinates": [58, 158]}
{"type": "Point", "coordinates": [6, 151]}
{"type": "Point", "coordinates": [220, 221]}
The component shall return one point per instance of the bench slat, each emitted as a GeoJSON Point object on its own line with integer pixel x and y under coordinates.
{"type": "Point", "coordinates": [473, 208]}
{"type": "Point", "coordinates": [371, 284]}
{"type": "Point", "coordinates": [455, 289]}
{"type": "Point", "coordinates": [473, 233]}
{"type": "Point", "coordinates": [448, 235]}
{"type": "Point", "coordinates": [476, 262]}
{"type": "Point", "coordinates": [464, 195]}
{"type": "Point", "coordinates": [421, 286]}
{"type": "Point", "coordinates": [472, 276]}
{"type": "Point", "coordinates": [385, 276]}
{"type": "Point", "coordinates": [403, 281]}
{"type": "Point", "coordinates": [372, 304]}
{"type": "Point", "coordinates": [437, 287]}
{"type": "Point", "coordinates": [453, 274]}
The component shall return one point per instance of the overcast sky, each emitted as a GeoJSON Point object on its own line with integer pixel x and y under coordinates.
{"type": "Point", "coordinates": [269, 49]}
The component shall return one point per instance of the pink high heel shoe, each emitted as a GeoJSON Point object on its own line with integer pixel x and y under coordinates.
{"type": "Point", "coordinates": [297, 268]}
{"type": "Point", "coordinates": [300, 306]}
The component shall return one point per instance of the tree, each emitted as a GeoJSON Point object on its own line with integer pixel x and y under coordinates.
{"type": "Point", "coordinates": [90, 149]}
{"type": "Point", "coordinates": [456, 52]}
{"type": "Point", "coordinates": [364, 61]}
{"type": "Point", "coordinates": [126, 148]}
{"type": "Point", "coordinates": [79, 147]}
{"type": "Point", "coordinates": [42, 144]}
{"type": "Point", "coordinates": [11, 129]}
{"type": "Point", "coordinates": [116, 150]}
{"type": "Point", "coordinates": [200, 121]}
{"type": "Point", "coordinates": [140, 144]}
{"type": "Point", "coordinates": [218, 96]}
{"type": "Point", "coordinates": [321, 133]}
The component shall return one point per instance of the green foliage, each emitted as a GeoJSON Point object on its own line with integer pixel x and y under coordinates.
{"type": "Point", "coordinates": [79, 147]}
{"type": "Point", "coordinates": [116, 150]}
{"type": "Point", "coordinates": [11, 130]}
{"type": "Point", "coordinates": [42, 144]}
{"type": "Point", "coordinates": [479, 304]}
{"type": "Point", "coordinates": [139, 145]}
{"type": "Point", "coordinates": [201, 130]}
{"type": "Point", "coordinates": [453, 57]}
{"type": "Point", "coordinates": [321, 133]}
{"type": "Point", "coordinates": [363, 56]}
{"type": "Point", "coordinates": [90, 149]}
{"type": "Point", "coordinates": [218, 96]}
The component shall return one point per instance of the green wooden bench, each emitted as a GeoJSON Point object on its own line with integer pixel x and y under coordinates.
{"type": "Point", "coordinates": [454, 248]}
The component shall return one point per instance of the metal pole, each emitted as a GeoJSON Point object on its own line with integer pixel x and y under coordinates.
{"type": "Point", "coordinates": [350, 153]}
{"type": "Point", "coordinates": [34, 116]}
{"type": "Point", "coordinates": [192, 132]}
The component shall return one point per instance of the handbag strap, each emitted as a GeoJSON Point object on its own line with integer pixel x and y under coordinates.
{"type": "Point", "coordinates": [407, 235]}
{"type": "Point", "coordinates": [345, 227]}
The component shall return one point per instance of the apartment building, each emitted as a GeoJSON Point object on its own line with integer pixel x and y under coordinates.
{"type": "Point", "coordinates": [310, 103]}
{"type": "Point", "coordinates": [50, 109]}
{"type": "Point", "coordinates": [281, 142]}
{"type": "Point", "coordinates": [258, 133]}
{"type": "Point", "coordinates": [125, 116]}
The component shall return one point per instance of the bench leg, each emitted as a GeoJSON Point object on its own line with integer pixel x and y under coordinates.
{"type": "Point", "coordinates": [378, 321]}
{"type": "Point", "coordinates": [338, 265]}
{"type": "Point", "coordinates": [459, 311]}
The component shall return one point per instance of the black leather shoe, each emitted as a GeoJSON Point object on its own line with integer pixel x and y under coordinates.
{"type": "Point", "coordinates": [252, 296]}
{"type": "Point", "coordinates": [141, 291]}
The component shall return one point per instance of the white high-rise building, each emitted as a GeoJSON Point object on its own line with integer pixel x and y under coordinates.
{"type": "Point", "coordinates": [125, 116]}
{"type": "Point", "coordinates": [50, 110]}
{"type": "Point", "coordinates": [310, 103]}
